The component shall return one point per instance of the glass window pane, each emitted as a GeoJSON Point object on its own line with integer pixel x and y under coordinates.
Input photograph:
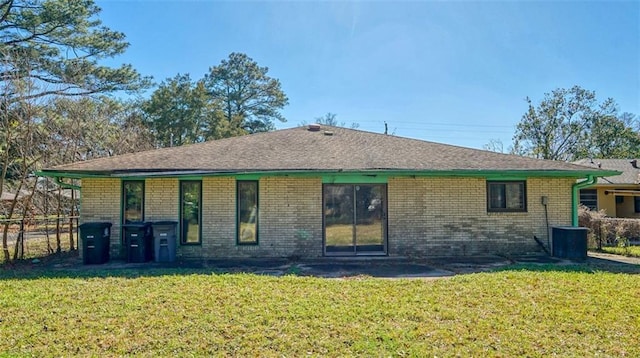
{"type": "Point", "coordinates": [506, 196]}
{"type": "Point", "coordinates": [589, 198]}
{"type": "Point", "coordinates": [369, 218]}
{"type": "Point", "coordinates": [339, 218]}
{"type": "Point", "coordinates": [637, 204]}
{"type": "Point", "coordinates": [514, 194]}
{"type": "Point", "coordinates": [247, 212]}
{"type": "Point", "coordinates": [190, 198]}
{"type": "Point", "coordinates": [133, 201]}
{"type": "Point", "coordinates": [497, 196]}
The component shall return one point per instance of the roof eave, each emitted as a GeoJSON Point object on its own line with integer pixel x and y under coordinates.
{"type": "Point", "coordinates": [78, 174]}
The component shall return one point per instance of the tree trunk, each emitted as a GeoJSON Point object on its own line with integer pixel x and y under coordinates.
{"type": "Point", "coordinates": [5, 247]}
{"type": "Point", "coordinates": [18, 252]}
{"type": "Point", "coordinates": [5, 234]}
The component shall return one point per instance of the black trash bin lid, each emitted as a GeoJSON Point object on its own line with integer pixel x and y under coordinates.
{"type": "Point", "coordinates": [166, 222]}
{"type": "Point", "coordinates": [138, 225]}
{"type": "Point", "coordinates": [95, 224]}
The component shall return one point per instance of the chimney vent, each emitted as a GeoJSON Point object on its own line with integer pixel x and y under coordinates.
{"type": "Point", "coordinates": [634, 163]}
{"type": "Point", "coordinates": [328, 133]}
{"type": "Point", "coordinates": [313, 127]}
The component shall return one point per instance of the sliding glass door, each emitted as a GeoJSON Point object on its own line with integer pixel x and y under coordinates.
{"type": "Point", "coordinates": [354, 219]}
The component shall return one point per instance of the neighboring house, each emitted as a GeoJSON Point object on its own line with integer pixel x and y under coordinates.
{"type": "Point", "coordinates": [37, 199]}
{"type": "Point", "coordinates": [618, 196]}
{"type": "Point", "coordinates": [328, 191]}
{"type": "Point", "coordinates": [8, 197]}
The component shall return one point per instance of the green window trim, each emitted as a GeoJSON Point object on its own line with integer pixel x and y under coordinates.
{"type": "Point", "coordinates": [507, 196]}
{"type": "Point", "coordinates": [190, 212]}
{"type": "Point", "coordinates": [247, 212]}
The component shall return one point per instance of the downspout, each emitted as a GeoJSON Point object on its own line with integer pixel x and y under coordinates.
{"type": "Point", "coordinates": [575, 196]}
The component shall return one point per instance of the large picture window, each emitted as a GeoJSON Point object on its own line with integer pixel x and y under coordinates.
{"type": "Point", "coordinates": [132, 201]}
{"type": "Point", "coordinates": [247, 215]}
{"type": "Point", "coordinates": [190, 212]}
{"type": "Point", "coordinates": [506, 196]}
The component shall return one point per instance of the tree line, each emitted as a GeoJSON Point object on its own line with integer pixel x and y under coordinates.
{"type": "Point", "coordinates": [234, 98]}
{"type": "Point", "coordinates": [572, 124]}
{"type": "Point", "coordinates": [60, 104]}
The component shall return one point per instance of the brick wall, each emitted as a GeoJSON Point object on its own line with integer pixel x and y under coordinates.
{"type": "Point", "coordinates": [161, 199]}
{"type": "Point", "coordinates": [100, 201]}
{"type": "Point", "coordinates": [444, 216]}
{"type": "Point", "coordinates": [426, 216]}
{"type": "Point", "coordinates": [291, 216]}
{"type": "Point", "coordinates": [290, 219]}
{"type": "Point", "coordinates": [218, 220]}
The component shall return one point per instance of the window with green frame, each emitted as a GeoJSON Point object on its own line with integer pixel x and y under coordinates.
{"type": "Point", "coordinates": [506, 196]}
{"type": "Point", "coordinates": [190, 212]}
{"type": "Point", "coordinates": [247, 212]}
{"type": "Point", "coordinates": [132, 201]}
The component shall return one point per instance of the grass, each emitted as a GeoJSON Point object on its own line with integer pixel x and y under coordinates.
{"type": "Point", "coordinates": [191, 312]}
{"type": "Point", "coordinates": [631, 251]}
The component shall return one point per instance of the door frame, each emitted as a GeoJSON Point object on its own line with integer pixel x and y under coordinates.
{"type": "Point", "coordinates": [384, 223]}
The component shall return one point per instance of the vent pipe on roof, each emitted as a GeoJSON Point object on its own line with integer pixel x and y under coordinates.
{"type": "Point", "coordinates": [634, 163]}
{"type": "Point", "coordinates": [313, 127]}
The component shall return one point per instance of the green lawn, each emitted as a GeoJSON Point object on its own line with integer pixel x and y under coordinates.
{"type": "Point", "coordinates": [633, 251]}
{"type": "Point", "coordinates": [189, 312]}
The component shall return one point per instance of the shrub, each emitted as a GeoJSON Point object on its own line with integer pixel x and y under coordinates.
{"type": "Point", "coordinates": [606, 231]}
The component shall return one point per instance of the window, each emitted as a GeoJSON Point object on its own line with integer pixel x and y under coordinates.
{"type": "Point", "coordinates": [589, 198]}
{"type": "Point", "coordinates": [132, 201]}
{"type": "Point", "coordinates": [190, 213]}
{"type": "Point", "coordinates": [506, 196]}
{"type": "Point", "coordinates": [637, 204]}
{"type": "Point", "coordinates": [247, 215]}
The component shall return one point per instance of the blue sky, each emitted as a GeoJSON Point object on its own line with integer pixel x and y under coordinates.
{"type": "Point", "coordinates": [450, 72]}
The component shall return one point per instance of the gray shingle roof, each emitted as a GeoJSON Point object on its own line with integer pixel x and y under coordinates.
{"type": "Point", "coordinates": [630, 175]}
{"type": "Point", "coordinates": [300, 149]}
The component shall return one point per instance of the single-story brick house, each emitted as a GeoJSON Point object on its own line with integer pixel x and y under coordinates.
{"type": "Point", "coordinates": [328, 191]}
{"type": "Point", "coordinates": [618, 196]}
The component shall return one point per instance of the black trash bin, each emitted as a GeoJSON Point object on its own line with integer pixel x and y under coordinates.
{"type": "Point", "coordinates": [164, 240]}
{"type": "Point", "coordinates": [569, 242]}
{"type": "Point", "coordinates": [137, 241]}
{"type": "Point", "coordinates": [96, 237]}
